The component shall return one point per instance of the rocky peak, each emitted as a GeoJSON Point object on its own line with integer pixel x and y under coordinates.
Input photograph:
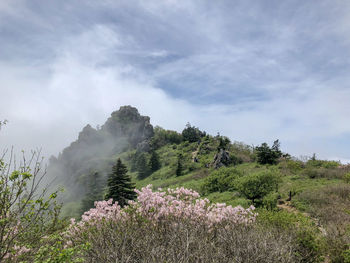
{"type": "Point", "coordinates": [127, 122]}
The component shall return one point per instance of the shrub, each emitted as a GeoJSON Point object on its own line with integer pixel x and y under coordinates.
{"type": "Point", "coordinates": [221, 180]}
{"type": "Point", "coordinates": [257, 185]}
{"type": "Point", "coordinates": [294, 166]}
{"type": "Point", "coordinates": [26, 214]}
{"type": "Point", "coordinates": [162, 137]}
{"type": "Point", "coordinates": [322, 163]}
{"type": "Point", "coordinates": [267, 155]}
{"type": "Point", "coordinates": [330, 205]}
{"type": "Point", "coordinates": [177, 226]}
{"type": "Point", "coordinates": [270, 201]}
{"type": "Point", "coordinates": [347, 178]}
{"type": "Point", "coordinates": [309, 243]}
{"type": "Point", "coordinates": [192, 134]}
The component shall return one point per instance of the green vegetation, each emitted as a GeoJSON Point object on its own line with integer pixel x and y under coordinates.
{"type": "Point", "coordinates": [192, 134]}
{"type": "Point", "coordinates": [267, 155]}
{"type": "Point", "coordinates": [119, 184]}
{"type": "Point", "coordinates": [304, 202]}
{"type": "Point", "coordinates": [94, 191]}
{"type": "Point", "coordinates": [258, 185]}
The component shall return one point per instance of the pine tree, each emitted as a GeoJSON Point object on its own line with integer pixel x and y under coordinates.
{"type": "Point", "coordinates": [93, 191]}
{"type": "Point", "coordinates": [179, 167]}
{"type": "Point", "coordinates": [154, 163]}
{"type": "Point", "coordinates": [119, 184]}
{"type": "Point", "coordinates": [142, 167]}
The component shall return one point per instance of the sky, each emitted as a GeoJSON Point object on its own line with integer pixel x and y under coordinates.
{"type": "Point", "coordinates": [254, 70]}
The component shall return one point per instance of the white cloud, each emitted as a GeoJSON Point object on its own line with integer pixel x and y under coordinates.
{"type": "Point", "coordinates": [92, 73]}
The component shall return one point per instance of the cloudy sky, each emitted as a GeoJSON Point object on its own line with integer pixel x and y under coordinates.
{"type": "Point", "coordinates": [252, 70]}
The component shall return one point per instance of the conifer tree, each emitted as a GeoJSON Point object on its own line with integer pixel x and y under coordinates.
{"type": "Point", "coordinates": [154, 163]}
{"type": "Point", "coordinates": [179, 167]}
{"type": "Point", "coordinates": [119, 186]}
{"type": "Point", "coordinates": [93, 191]}
{"type": "Point", "coordinates": [142, 167]}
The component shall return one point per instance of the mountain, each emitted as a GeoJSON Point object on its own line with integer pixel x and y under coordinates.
{"type": "Point", "coordinates": [94, 149]}
{"type": "Point", "coordinates": [310, 198]}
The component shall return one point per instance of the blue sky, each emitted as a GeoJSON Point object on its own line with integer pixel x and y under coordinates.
{"type": "Point", "coordinates": [252, 70]}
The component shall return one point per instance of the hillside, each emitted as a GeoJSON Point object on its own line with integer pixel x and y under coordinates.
{"type": "Point", "coordinates": [310, 196]}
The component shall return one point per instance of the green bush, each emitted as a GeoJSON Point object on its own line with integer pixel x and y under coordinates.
{"type": "Point", "coordinates": [26, 214]}
{"type": "Point", "coordinates": [347, 178]}
{"type": "Point", "coordinates": [267, 155]}
{"type": "Point", "coordinates": [310, 244]}
{"type": "Point", "coordinates": [270, 201]}
{"type": "Point", "coordinates": [221, 180]}
{"type": "Point", "coordinates": [257, 185]}
{"type": "Point", "coordinates": [322, 163]}
{"type": "Point", "coordinates": [192, 134]}
{"type": "Point", "coordinates": [54, 249]}
{"type": "Point", "coordinates": [294, 166]}
{"type": "Point", "coordinates": [162, 137]}
{"type": "Point", "coordinates": [346, 256]}
{"type": "Point", "coordinates": [312, 172]}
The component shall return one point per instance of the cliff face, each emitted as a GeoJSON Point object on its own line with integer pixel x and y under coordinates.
{"type": "Point", "coordinates": [127, 122]}
{"type": "Point", "coordinates": [94, 149]}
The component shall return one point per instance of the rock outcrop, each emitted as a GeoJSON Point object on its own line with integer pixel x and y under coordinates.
{"type": "Point", "coordinates": [222, 158]}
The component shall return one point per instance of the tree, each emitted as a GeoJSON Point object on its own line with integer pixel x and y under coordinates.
{"type": "Point", "coordinates": [154, 163]}
{"type": "Point", "coordinates": [141, 166]}
{"type": "Point", "coordinates": [179, 168]}
{"type": "Point", "coordinates": [192, 134]}
{"type": "Point", "coordinates": [267, 155]}
{"type": "Point", "coordinates": [119, 184]}
{"type": "Point", "coordinates": [257, 185]}
{"type": "Point", "coordinates": [93, 192]}
{"type": "Point", "coordinates": [223, 143]}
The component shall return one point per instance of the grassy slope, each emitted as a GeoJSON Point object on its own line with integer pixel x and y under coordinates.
{"type": "Point", "coordinates": [317, 191]}
{"type": "Point", "coordinates": [194, 174]}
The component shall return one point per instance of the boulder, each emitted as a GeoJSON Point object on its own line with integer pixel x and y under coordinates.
{"type": "Point", "coordinates": [222, 158]}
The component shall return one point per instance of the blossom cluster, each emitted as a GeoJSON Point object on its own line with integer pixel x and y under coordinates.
{"type": "Point", "coordinates": [179, 203]}
{"type": "Point", "coordinates": [184, 203]}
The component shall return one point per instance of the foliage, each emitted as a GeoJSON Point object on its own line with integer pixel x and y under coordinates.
{"type": "Point", "coordinates": [223, 143]}
{"type": "Point", "coordinates": [313, 162]}
{"type": "Point", "coordinates": [192, 134]}
{"type": "Point", "coordinates": [330, 205]}
{"type": "Point", "coordinates": [257, 185]}
{"type": "Point", "coordinates": [162, 137]}
{"type": "Point", "coordinates": [154, 163]}
{"type": "Point", "coordinates": [93, 192]}
{"type": "Point", "coordinates": [267, 155]}
{"type": "Point", "coordinates": [347, 178]}
{"type": "Point", "coordinates": [221, 180]}
{"type": "Point", "coordinates": [179, 167]}
{"type": "Point", "coordinates": [120, 188]}
{"type": "Point", "coordinates": [53, 248]}
{"type": "Point", "coordinates": [26, 214]}
{"type": "Point", "coordinates": [142, 167]}
{"type": "Point", "coordinates": [309, 243]}
{"type": "Point", "coordinates": [177, 226]}
{"type": "Point", "coordinates": [270, 201]}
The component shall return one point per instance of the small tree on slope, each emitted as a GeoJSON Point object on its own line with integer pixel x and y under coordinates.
{"type": "Point", "coordinates": [119, 185]}
{"type": "Point", "coordinates": [154, 162]}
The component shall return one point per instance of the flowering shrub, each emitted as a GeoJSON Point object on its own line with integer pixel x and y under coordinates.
{"type": "Point", "coordinates": [175, 225]}
{"type": "Point", "coordinates": [26, 214]}
{"type": "Point", "coordinates": [179, 203]}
